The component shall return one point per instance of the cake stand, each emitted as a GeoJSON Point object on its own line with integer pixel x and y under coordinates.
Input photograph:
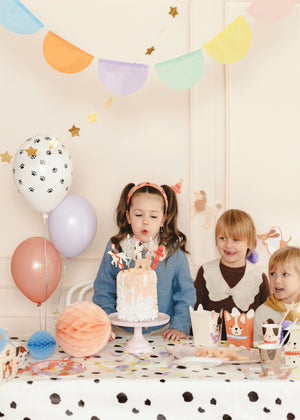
{"type": "Point", "coordinates": [137, 343]}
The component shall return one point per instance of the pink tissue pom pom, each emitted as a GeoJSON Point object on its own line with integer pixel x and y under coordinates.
{"type": "Point", "coordinates": [83, 329]}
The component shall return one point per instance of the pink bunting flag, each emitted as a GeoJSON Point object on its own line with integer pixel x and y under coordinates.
{"type": "Point", "coordinates": [271, 10]}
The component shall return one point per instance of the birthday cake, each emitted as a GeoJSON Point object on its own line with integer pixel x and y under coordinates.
{"type": "Point", "coordinates": [136, 286]}
{"type": "Point", "coordinates": [137, 295]}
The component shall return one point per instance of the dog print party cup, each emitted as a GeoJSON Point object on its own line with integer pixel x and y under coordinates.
{"type": "Point", "coordinates": [271, 333]}
{"type": "Point", "coordinates": [270, 355]}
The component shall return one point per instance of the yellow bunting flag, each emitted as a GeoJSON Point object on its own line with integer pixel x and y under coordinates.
{"type": "Point", "coordinates": [63, 56]}
{"type": "Point", "coordinates": [232, 44]}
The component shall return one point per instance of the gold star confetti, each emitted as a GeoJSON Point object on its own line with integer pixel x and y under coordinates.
{"type": "Point", "coordinates": [108, 103]}
{"type": "Point", "coordinates": [93, 117]}
{"type": "Point", "coordinates": [6, 157]}
{"type": "Point", "coordinates": [74, 131]}
{"type": "Point", "coordinates": [150, 50]}
{"type": "Point", "coordinates": [31, 151]}
{"type": "Point", "coordinates": [53, 142]}
{"type": "Point", "coordinates": [173, 11]}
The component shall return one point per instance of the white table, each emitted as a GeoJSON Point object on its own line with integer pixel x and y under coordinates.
{"type": "Point", "coordinates": [118, 385]}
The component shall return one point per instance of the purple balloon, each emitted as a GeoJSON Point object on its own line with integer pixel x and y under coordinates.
{"type": "Point", "coordinates": [72, 225]}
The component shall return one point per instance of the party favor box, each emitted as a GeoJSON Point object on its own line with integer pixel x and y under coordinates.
{"type": "Point", "coordinates": [207, 326]}
{"type": "Point", "coordinates": [239, 328]}
{"type": "Point", "coordinates": [292, 348]}
{"type": "Point", "coordinates": [11, 357]}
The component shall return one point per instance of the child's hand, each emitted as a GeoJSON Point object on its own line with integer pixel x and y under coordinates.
{"type": "Point", "coordinates": [174, 335]}
{"type": "Point", "coordinates": [112, 334]}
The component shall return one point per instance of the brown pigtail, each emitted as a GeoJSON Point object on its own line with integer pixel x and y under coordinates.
{"type": "Point", "coordinates": [120, 217]}
{"type": "Point", "coordinates": [171, 237]}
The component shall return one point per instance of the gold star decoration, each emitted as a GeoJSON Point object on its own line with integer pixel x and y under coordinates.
{"type": "Point", "coordinates": [108, 103]}
{"type": "Point", "coordinates": [93, 117]}
{"type": "Point", "coordinates": [6, 157]}
{"type": "Point", "coordinates": [74, 131]}
{"type": "Point", "coordinates": [173, 11]}
{"type": "Point", "coordinates": [53, 142]}
{"type": "Point", "coordinates": [150, 50]}
{"type": "Point", "coordinates": [31, 151]}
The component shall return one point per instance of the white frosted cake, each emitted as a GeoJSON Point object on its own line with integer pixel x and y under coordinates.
{"type": "Point", "coordinates": [137, 295]}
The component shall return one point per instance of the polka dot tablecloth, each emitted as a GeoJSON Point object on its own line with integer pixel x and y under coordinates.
{"type": "Point", "coordinates": [117, 385]}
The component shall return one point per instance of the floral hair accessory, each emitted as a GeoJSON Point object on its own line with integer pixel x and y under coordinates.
{"type": "Point", "coordinates": [253, 257]}
{"type": "Point", "coordinates": [148, 184]}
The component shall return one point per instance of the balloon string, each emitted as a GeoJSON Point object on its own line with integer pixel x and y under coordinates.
{"type": "Point", "coordinates": [40, 317]}
{"type": "Point", "coordinates": [46, 266]}
{"type": "Point", "coordinates": [59, 296]}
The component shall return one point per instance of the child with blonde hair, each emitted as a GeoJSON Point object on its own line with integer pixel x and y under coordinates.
{"type": "Point", "coordinates": [284, 275]}
{"type": "Point", "coordinates": [148, 213]}
{"type": "Point", "coordinates": [231, 280]}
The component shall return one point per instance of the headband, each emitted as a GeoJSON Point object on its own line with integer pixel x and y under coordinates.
{"type": "Point", "coordinates": [148, 184]}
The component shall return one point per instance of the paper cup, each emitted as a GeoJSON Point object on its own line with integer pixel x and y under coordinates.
{"type": "Point", "coordinates": [270, 355]}
{"type": "Point", "coordinates": [206, 330]}
{"type": "Point", "coordinates": [271, 333]}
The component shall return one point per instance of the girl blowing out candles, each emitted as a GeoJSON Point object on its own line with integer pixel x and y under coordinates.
{"type": "Point", "coordinates": [147, 211]}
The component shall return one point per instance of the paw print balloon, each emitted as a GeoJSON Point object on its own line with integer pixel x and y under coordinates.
{"type": "Point", "coordinates": [43, 172]}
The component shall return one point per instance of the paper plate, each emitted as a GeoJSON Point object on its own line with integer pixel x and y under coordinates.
{"type": "Point", "coordinates": [63, 367]}
{"type": "Point", "coordinates": [183, 353]}
{"type": "Point", "coordinates": [198, 361]}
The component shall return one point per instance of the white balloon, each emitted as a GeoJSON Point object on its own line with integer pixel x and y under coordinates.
{"type": "Point", "coordinates": [43, 172]}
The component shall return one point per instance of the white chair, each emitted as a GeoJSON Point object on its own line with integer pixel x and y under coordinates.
{"type": "Point", "coordinates": [85, 286]}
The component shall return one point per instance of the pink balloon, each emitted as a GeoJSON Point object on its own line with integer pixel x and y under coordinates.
{"type": "Point", "coordinates": [29, 268]}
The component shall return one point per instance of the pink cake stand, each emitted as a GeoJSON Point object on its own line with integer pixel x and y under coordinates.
{"type": "Point", "coordinates": [137, 343]}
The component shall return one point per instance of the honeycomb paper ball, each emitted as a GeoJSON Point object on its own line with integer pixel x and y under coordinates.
{"type": "Point", "coordinates": [41, 344]}
{"type": "Point", "coordinates": [83, 329]}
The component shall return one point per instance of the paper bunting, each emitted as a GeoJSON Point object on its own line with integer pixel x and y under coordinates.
{"type": "Point", "coordinates": [122, 78]}
{"type": "Point", "coordinates": [232, 44]}
{"type": "Point", "coordinates": [16, 18]}
{"type": "Point", "coordinates": [63, 56]}
{"type": "Point", "coordinates": [173, 11]}
{"type": "Point", "coordinates": [93, 117]}
{"type": "Point", "coordinates": [53, 142]}
{"type": "Point", "coordinates": [182, 72]}
{"type": "Point", "coordinates": [108, 103]}
{"type": "Point", "coordinates": [74, 131]}
{"type": "Point", "coordinates": [6, 157]}
{"type": "Point", "coordinates": [150, 50]}
{"type": "Point", "coordinates": [271, 10]}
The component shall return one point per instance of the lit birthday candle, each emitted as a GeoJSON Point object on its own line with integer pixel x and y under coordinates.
{"type": "Point", "coordinates": [138, 249]}
{"type": "Point", "coordinates": [129, 251]}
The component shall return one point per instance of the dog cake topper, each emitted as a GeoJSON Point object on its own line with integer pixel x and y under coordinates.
{"type": "Point", "coordinates": [239, 328]}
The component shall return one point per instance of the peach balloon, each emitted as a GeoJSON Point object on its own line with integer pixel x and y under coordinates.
{"type": "Point", "coordinates": [82, 329]}
{"type": "Point", "coordinates": [36, 279]}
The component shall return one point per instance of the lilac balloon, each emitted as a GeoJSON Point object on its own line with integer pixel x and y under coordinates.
{"type": "Point", "coordinates": [72, 225]}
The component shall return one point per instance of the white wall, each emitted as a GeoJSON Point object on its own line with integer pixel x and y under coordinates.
{"type": "Point", "coordinates": [235, 135]}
